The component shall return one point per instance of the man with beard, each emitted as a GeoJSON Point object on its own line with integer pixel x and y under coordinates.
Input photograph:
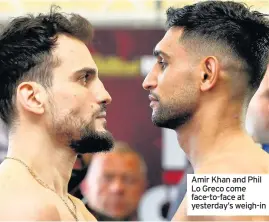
{"type": "Point", "coordinates": [257, 125]}
{"type": "Point", "coordinates": [55, 107]}
{"type": "Point", "coordinates": [209, 64]}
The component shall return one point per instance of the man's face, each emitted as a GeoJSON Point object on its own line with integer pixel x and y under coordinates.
{"type": "Point", "coordinates": [257, 119]}
{"type": "Point", "coordinates": [78, 99]}
{"type": "Point", "coordinates": [171, 82]}
{"type": "Point", "coordinates": [116, 184]}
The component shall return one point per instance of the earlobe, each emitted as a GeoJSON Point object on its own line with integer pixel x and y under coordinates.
{"type": "Point", "coordinates": [210, 73]}
{"type": "Point", "coordinates": [29, 97]}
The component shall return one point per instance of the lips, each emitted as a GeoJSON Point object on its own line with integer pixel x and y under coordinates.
{"type": "Point", "coordinates": [152, 98]}
{"type": "Point", "coordinates": [102, 115]}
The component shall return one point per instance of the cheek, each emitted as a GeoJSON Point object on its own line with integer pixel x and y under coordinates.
{"type": "Point", "coordinates": [97, 190]}
{"type": "Point", "coordinates": [264, 114]}
{"type": "Point", "coordinates": [65, 96]}
{"type": "Point", "coordinates": [99, 186]}
{"type": "Point", "coordinates": [75, 100]}
{"type": "Point", "coordinates": [135, 191]}
{"type": "Point", "coordinates": [97, 194]}
{"type": "Point", "coordinates": [168, 82]}
{"type": "Point", "coordinates": [257, 115]}
{"type": "Point", "coordinates": [133, 195]}
{"type": "Point", "coordinates": [71, 100]}
{"type": "Point", "coordinates": [176, 86]}
{"type": "Point", "coordinates": [258, 107]}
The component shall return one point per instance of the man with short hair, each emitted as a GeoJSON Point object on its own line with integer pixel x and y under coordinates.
{"type": "Point", "coordinates": [257, 125]}
{"type": "Point", "coordinates": [209, 64]}
{"type": "Point", "coordinates": [54, 104]}
{"type": "Point", "coordinates": [115, 183]}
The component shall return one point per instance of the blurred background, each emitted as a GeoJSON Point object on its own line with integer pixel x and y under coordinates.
{"type": "Point", "coordinates": [126, 31]}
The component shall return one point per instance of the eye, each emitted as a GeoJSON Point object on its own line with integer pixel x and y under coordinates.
{"type": "Point", "coordinates": [108, 178]}
{"type": "Point", "coordinates": [162, 64]}
{"type": "Point", "coordinates": [85, 78]}
{"type": "Point", "coordinates": [129, 179]}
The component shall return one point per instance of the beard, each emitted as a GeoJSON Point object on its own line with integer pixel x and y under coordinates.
{"type": "Point", "coordinates": [81, 135]}
{"type": "Point", "coordinates": [170, 116]}
{"type": "Point", "coordinates": [165, 118]}
{"type": "Point", "coordinates": [92, 141]}
{"type": "Point", "coordinates": [177, 110]}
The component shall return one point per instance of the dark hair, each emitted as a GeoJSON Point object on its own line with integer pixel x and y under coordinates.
{"type": "Point", "coordinates": [25, 51]}
{"type": "Point", "coordinates": [231, 24]}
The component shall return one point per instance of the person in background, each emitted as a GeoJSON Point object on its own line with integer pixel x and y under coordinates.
{"type": "Point", "coordinates": [78, 174]}
{"type": "Point", "coordinates": [115, 183]}
{"type": "Point", "coordinates": [257, 118]}
{"type": "Point", "coordinates": [180, 193]}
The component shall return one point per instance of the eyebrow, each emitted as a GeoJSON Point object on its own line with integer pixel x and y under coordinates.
{"type": "Point", "coordinates": [157, 53]}
{"type": "Point", "coordinates": [90, 71]}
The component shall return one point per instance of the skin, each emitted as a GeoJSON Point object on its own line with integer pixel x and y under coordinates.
{"type": "Point", "coordinates": [44, 116]}
{"type": "Point", "coordinates": [257, 120]}
{"type": "Point", "coordinates": [212, 133]}
{"type": "Point", "coordinates": [115, 184]}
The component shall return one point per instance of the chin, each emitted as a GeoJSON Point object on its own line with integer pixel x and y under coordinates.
{"type": "Point", "coordinates": [101, 130]}
{"type": "Point", "coordinates": [172, 122]}
{"type": "Point", "coordinates": [100, 126]}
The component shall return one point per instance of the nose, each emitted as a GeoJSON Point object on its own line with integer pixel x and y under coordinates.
{"type": "Point", "coordinates": [117, 187]}
{"type": "Point", "coordinates": [104, 96]}
{"type": "Point", "coordinates": [108, 98]}
{"type": "Point", "coordinates": [150, 82]}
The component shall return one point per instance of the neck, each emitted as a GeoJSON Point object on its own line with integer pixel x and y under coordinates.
{"type": "Point", "coordinates": [51, 162]}
{"type": "Point", "coordinates": [211, 131]}
{"type": "Point", "coordinates": [103, 217]}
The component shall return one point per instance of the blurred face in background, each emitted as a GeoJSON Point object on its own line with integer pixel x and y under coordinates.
{"type": "Point", "coordinates": [257, 119]}
{"type": "Point", "coordinates": [115, 184]}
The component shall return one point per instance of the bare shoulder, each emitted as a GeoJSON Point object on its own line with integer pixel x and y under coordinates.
{"type": "Point", "coordinates": [86, 214]}
{"type": "Point", "coordinates": [20, 203]}
{"type": "Point", "coordinates": [48, 212]}
{"type": "Point", "coordinates": [29, 211]}
{"type": "Point", "coordinates": [22, 198]}
{"type": "Point", "coordinates": [256, 163]}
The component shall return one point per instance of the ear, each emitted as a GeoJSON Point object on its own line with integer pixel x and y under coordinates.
{"type": "Point", "coordinates": [29, 96]}
{"type": "Point", "coordinates": [210, 73]}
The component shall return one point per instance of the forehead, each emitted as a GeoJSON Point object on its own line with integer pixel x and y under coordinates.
{"type": "Point", "coordinates": [73, 55]}
{"type": "Point", "coordinates": [170, 43]}
{"type": "Point", "coordinates": [119, 162]}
